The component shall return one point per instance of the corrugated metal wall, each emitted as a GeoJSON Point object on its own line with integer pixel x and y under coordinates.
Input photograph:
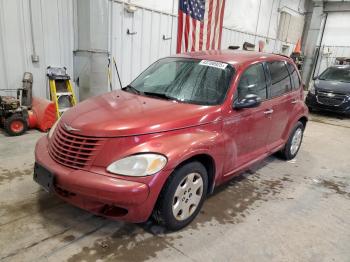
{"type": "Point", "coordinates": [272, 45]}
{"type": "Point", "coordinates": [152, 35]}
{"type": "Point", "coordinates": [53, 39]}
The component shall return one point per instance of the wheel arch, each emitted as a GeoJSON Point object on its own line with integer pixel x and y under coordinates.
{"type": "Point", "coordinates": [208, 162]}
{"type": "Point", "coordinates": [303, 120]}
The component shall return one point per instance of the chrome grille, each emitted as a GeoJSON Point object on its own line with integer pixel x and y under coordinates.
{"type": "Point", "coordinates": [330, 99]}
{"type": "Point", "coordinates": [73, 150]}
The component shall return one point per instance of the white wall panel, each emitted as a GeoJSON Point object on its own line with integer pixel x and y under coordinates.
{"type": "Point", "coordinates": [252, 17]}
{"type": "Point", "coordinates": [53, 38]}
{"type": "Point", "coordinates": [241, 15]}
{"type": "Point", "coordinates": [237, 38]}
{"type": "Point", "coordinates": [249, 21]}
{"type": "Point", "coordinates": [11, 37]}
{"type": "Point", "coordinates": [266, 9]}
{"type": "Point", "coordinates": [337, 30]}
{"type": "Point", "coordinates": [136, 51]}
{"type": "Point", "coordinates": [162, 5]}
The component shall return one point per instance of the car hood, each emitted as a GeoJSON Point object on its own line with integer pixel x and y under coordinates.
{"type": "Point", "coordinates": [333, 86]}
{"type": "Point", "coordinates": [120, 113]}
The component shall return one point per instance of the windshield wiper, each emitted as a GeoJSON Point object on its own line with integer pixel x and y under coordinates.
{"type": "Point", "coordinates": [164, 96]}
{"type": "Point", "coordinates": [136, 91]}
{"type": "Point", "coordinates": [133, 89]}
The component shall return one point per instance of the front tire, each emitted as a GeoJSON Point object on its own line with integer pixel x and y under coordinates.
{"type": "Point", "coordinates": [293, 144]}
{"type": "Point", "coordinates": [182, 196]}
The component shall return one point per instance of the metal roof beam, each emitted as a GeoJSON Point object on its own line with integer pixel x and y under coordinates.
{"type": "Point", "coordinates": [336, 6]}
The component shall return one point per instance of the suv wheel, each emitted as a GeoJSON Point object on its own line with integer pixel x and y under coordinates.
{"type": "Point", "coordinates": [294, 141]}
{"type": "Point", "coordinates": [182, 197]}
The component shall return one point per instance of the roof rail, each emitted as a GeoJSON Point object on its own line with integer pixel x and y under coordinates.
{"type": "Point", "coordinates": [282, 55]}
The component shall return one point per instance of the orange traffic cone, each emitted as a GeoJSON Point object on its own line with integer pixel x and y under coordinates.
{"type": "Point", "coordinates": [297, 48]}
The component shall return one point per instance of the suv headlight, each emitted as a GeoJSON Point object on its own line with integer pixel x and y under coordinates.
{"type": "Point", "coordinates": [52, 130]}
{"type": "Point", "coordinates": [312, 87]}
{"type": "Point", "coordinates": [138, 165]}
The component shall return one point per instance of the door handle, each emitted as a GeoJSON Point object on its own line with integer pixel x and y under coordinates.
{"type": "Point", "coordinates": [294, 101]}
{"type": "Point", "coordinates": [268, 112]}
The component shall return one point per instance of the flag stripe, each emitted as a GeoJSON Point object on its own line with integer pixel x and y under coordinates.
{"type": "Point", "coordinates": [210, 13]}
{"type": "Point", "coordinates": [187, 31]}
{"type": "Point", "coordinates": [217, 21]}
{"type": "Point", "coordinates": [194, 25]}
{"type": "Point", "coordinates": [189, 47]}
{"type": "Point", "coordinates": [201, 36]}
{"type": "Point", "coordinates": [214, 22]}
{"type": "Point", "coordinates": [179, 31]}
{"type": "Point", "coordinates": [205, 25]}
{"type": "Point", "coordinates": [184, 33]}
{"type": "Point", "coordinates": [221, 21]}
{"type": "Point", "coordinates": [198, 24]}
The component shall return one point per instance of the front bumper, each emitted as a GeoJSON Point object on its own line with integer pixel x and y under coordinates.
{"type": "Point", "coordinates": [100, 194]}
{"type": "Point", "coordinates": [312, 102]}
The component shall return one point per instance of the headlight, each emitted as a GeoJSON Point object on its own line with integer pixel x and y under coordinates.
{"type": "Point", "coordinates": [138, 165]}
{"type": "Point", "coordinates": [312, 87]}
{"type": "Point", "coordinates": [53, 129]}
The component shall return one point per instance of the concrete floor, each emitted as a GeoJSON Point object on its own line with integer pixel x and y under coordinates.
{"type": "Point", "coordinates": [280, 211]}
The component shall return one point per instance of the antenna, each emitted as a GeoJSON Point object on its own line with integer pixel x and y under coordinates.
{"type": "Point", "coordinates": [116, 69]}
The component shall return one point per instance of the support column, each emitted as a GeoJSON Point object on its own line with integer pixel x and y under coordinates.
{"type": "Point", "coordinates": [91, 54]}
{"type": "Point", "coordinates": [313, 39]}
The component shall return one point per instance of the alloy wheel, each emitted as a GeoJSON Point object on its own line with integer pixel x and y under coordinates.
{"type": "Point", "coordinates": [296, 141]}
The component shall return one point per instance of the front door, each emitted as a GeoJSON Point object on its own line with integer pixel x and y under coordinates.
{"type": "Point", "coordinates": [247, 129]}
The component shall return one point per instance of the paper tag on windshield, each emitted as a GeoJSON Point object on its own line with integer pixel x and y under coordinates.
{"type": "Point", "coordinates": [213, 64]}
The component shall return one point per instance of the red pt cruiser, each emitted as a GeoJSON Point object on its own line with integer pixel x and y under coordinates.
{"type": "Point", "coordinates": [160, 145]}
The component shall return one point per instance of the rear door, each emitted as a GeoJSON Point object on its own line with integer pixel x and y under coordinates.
{"type": "Point", "coordinates": [296, 84]}
{"type": "Point", "coordinates": [281, 96]}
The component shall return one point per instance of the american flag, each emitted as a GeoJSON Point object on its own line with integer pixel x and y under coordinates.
{"type": "Point", "coordinates": [199, 25]}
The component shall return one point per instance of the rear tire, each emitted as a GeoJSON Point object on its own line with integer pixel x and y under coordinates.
{"type": "Point", "coordinates": [15, 125]}
{"type": "Point", "coordinates": [294, 141]}
{"type": "Point", "coordinates": [189, 181]}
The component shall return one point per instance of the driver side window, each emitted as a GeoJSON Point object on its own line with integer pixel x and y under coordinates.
{"type": "Point", "coordinates": [162, 77]}
{"type": "Point", "coordinates": [253, 81]}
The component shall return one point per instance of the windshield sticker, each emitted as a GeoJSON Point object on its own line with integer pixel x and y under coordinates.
{"type": "Point", "coordinates": [213, 64]}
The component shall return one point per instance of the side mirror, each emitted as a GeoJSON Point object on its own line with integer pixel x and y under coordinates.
{"type": "Point", "coordinates": [248, 101]}
{"type": "Point", "coordinates": [314, 78]}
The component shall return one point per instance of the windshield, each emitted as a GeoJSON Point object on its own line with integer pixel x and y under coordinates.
{"type": "Point", "coordinates": [337, 74]}
{"type": "Point", "coordinates": [186, 80]}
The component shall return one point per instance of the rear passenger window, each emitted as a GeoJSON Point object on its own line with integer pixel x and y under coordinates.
{"type": "Point", "coordinates": [280, 80]}
{"type": "Point", "coordinates": [253, 81]}
{"type": "Point", "coordinates": [295, 77]}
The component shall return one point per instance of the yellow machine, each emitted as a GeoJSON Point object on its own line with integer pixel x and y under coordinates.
{"type": "Point", "coordinates": [61, 90]}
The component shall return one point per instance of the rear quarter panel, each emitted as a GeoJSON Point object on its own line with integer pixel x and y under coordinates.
{"type": "Point", "coordinates": [300, 111]}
